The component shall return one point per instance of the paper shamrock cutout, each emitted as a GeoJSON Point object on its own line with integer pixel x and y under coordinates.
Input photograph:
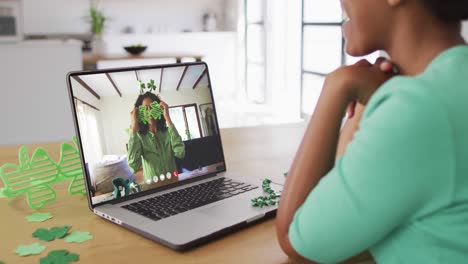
{"type": "Point", "coordinates": [150, 86]}
{"type": "Point", "coordinates": [35, 176]}
{"type": "Point", "coordinates": [26, 250]}
{"type": "Point", "coordinates": [144, 115]}
{"type": "Point", "coordinates": [49, 235]}
{"type": "Point", "coordinates": [59, 257]}
{"type": "Point", "coordinates": [59, 231]}
{"type": "Point", "coordinates": [78, 237]}
{"type": "Point", "coordinates": [38, 217]}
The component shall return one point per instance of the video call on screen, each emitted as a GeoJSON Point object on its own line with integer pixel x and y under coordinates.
{"type": "Point", "coordinates": [142, 129]}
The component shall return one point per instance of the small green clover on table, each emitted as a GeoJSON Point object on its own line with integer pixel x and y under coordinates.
{"type": "Point", "coordinates": [26, 250]}
{"type": "Point", "coordinates": [78, 237]}
{"type": "Point", "coordinates": [38, 217]}
{"type": "Point", "coordinates": [59, 257]}
{"type": "Point", "coordinates": [49, 235]}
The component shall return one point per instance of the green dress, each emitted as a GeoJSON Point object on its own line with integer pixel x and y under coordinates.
{"type": "Point", "coordinates": [401, 188]}
{"type": "Point", "coordinates": [155, 151]}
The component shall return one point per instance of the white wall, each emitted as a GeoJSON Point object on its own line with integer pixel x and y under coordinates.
{"type": "Point", "coordinates": [115, 114]}
{"type": "Point", "coordinates": [34, 102]}
{"type": "Point", "coordinates": [465, 30]}
{"type": "Point", "coordinates": [218, 49]}
{"type": "Point", "coordinates": [59, 16]}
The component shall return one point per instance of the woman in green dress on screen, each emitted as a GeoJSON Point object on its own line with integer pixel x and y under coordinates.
{"type": "Point", "coordinates": [154, 143]}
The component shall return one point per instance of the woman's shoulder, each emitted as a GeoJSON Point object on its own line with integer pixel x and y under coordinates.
{"type": "Point", "coordinates": [406, 95]}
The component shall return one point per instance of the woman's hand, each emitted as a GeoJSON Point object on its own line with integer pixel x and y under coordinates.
{"type": "Point", "coordinates": [385, 66]}
{"type": "Point", "coordinates": [317, 151]}
{"type": "Point", "coordinates": [134, 119]}
{"type": "Point", "coordinates": [165, 108]}
{"type": "Point", "coordinates": [361, 80]}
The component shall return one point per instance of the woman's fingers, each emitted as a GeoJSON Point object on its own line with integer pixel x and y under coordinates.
{"type": "Point", "coordinates": [363, 62]}
{"type": "Point", "coordinates": [351, 109]}
{"type": "Point", "coordinates": [386, 65]}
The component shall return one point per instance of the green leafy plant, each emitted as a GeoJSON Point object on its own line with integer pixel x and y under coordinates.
{"type": "Point", "coordinates": [97, 20]}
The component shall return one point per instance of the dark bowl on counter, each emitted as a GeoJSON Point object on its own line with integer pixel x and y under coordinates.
{"type": "Point", "coordinates": [135, 50]}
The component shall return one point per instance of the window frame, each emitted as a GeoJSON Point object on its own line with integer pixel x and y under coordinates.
{"type": "Point", "coordinates": [185, 117]}
{"type": "Point", "coordinates": [305, 72]}
{"type": "Point", "coordinates": [247, 61]}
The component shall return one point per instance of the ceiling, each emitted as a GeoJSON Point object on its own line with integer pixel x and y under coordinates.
{"type": "Point", "coordinates": [126, 83]}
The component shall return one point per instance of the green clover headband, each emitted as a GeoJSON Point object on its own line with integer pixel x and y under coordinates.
{"type": "Point", "coordinates": [144, 115]}
{"type": "Point", "coordinates": [150, 86]}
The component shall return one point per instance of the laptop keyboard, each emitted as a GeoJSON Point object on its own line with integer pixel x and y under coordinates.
{"type": "Point", "coordinates": [177, 202]}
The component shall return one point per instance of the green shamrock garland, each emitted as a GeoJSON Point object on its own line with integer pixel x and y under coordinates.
{"type": "Point", "coordinates": [267, 200]}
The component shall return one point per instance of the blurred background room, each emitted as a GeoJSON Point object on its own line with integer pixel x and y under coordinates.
{"type": "Point", "coordinates": [267, 58]}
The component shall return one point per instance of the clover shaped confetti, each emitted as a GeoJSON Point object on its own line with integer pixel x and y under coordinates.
{"type": "Point", "coordinates": [26, 250]}
{"type": "Point", "coordinates": [78, 237]}
{"type": "Point", "coordinates": [49, 235]}
{"type": "Point", "coordinates": [59, 257]}
{"type": "Point", "coordinates": [38, 217]}
{"type": "Point", "coordinates": [269, 199]}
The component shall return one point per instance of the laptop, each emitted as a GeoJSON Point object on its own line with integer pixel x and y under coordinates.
{"type": "Point", "coordinates": [153, 158]}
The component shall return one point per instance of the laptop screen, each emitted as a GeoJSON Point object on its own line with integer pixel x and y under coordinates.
{"type": "Point", "coordinates": [143, 128]}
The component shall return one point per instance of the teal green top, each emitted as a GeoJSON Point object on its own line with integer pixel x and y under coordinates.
{"type": "Point", "coordinates": [401, 188]}
{"type": "Point", "coordinates": [155, 151]}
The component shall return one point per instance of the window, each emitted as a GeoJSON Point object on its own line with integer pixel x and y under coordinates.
{"type": "Point", "coordinates": [255, 49]}
{"type": "Point", "coordinates": [89, 131]}
{"type": "Point", "coordinates": [322, 47]}
{"type": "Point", "coordinates": [186, 120]}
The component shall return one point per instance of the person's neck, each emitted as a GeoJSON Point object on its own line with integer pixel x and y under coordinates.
{"type": "Point", "coordinates": [413, 48]}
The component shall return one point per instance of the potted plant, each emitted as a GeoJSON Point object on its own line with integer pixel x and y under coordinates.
{"type": "Point", "coordinates": [97, 22]}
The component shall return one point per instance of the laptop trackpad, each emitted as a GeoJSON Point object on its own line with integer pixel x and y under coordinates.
{"type": "Point", "coordinates": [234, 211]}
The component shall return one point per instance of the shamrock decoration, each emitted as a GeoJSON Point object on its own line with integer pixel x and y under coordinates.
{"type": "Point", "coordinates": [144, 115]}
{"type": "Point", "coordinates": [150, 86]}
{"type": "Point", "coordinates": [156, 110]}
{"type": "Point", "coordinates": [49, 235]}
{"type": "Point", "coordinates": [38, 217]}
{"type": "Point", "coordinates": [269, 199]}
{"type": "Point", "coordinates": [142, 86]}
{"type": "Point", "coordinates": [59, 257]}
{"type": "Point", "coordinates": [78, 237]}
{"type": "Point", "coordinates": [26, 250]}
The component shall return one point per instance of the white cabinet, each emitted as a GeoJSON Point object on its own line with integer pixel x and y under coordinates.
{"type": "Point", "coordinates": [34, 103]}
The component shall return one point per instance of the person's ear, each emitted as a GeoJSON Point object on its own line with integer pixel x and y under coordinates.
{"type": "Point", "coordinates": [394, 3]}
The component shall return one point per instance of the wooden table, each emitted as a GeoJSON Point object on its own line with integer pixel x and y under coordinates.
{"type": "Point", "coordinates": [260, 151]}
